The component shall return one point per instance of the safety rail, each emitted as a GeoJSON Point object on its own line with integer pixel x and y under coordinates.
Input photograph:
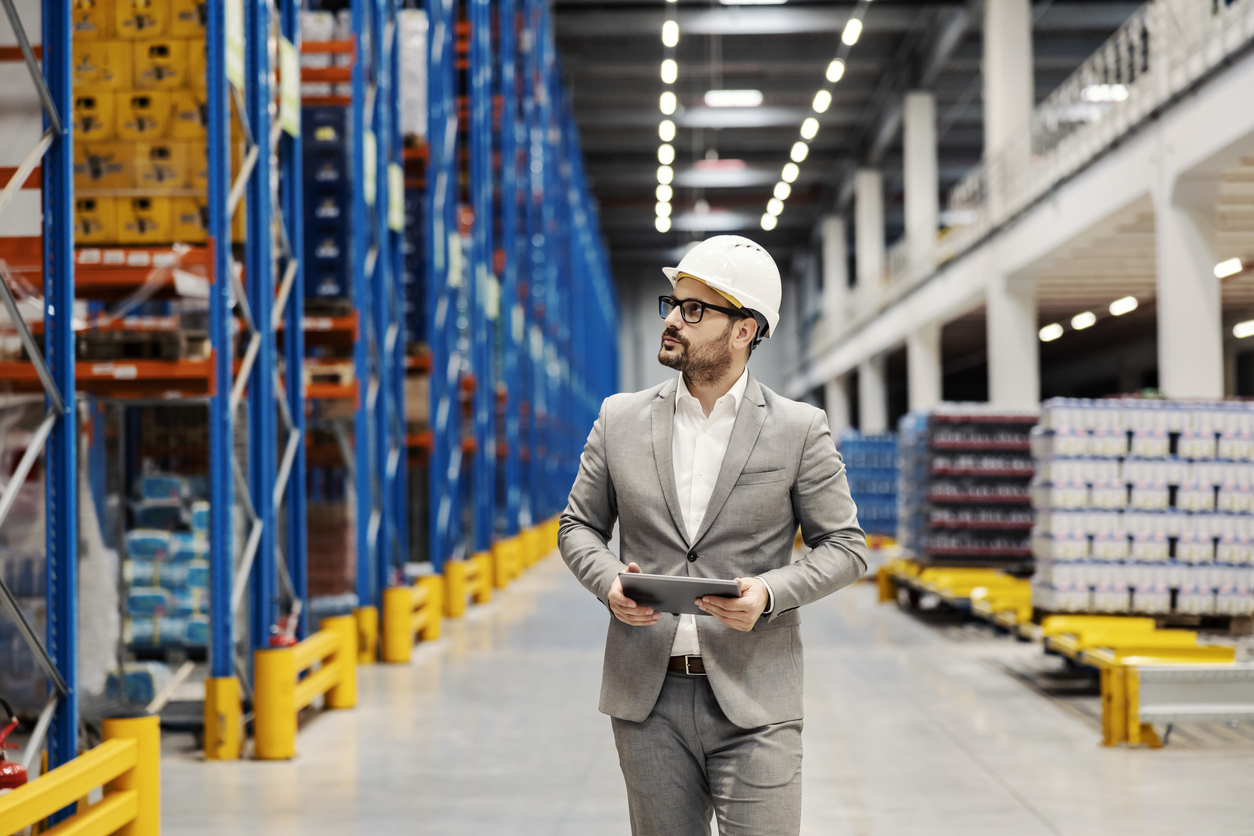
{"type": "Point", "coordinates": [409, 611]}
{"type": "Point", "coordinates": [127, 765]}
{"type": "Point", "coordinates": [281, 693]}
{"type": "Point", "coordinates": [470, 577]}
{"type": "Point", "coordinates": [508, 560]}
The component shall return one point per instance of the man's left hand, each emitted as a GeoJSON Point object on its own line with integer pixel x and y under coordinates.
{"type": "Point", "coordinates": [738, 613]}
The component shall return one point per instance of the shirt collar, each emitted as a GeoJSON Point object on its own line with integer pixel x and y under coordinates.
{"type": "Point", "coordinates": [736, 393]}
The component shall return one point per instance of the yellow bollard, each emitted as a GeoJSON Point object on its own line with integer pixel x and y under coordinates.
{"type": "Point", "coordinates": [502, 559]}
{"type": "Point", "coordinates": [398, 618]}
{"type": "Point", "coordinates": [145, 777]}
{"type": "Point", "coordinates": [455, 578]}
{"type": "Point", "coordinates": [482, 587]}
{"type": "Point", "coordinates": [434, 585]}
{"type": "Point", "coordinates": [274, 703]}
{"type": "Point", "coordinates": [344, 693]}
{"type": "Point", "coordinates": [533, 545]}
{"type": "Point", "coordinates": [224, 719]}
{"type": "Point", "coordinates": [367, 635]}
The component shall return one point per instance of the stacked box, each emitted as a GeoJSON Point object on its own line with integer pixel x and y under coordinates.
{"type": "Point", "coordinates": [327, 151]}
{"type": "Point", "coordinates": [1145, 507]}
{"type": "Point", "coordinates": [871, 468]}
{"type": "Point", "coordinates": [413, 246]}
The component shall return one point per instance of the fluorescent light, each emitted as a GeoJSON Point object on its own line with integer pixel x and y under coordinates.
{"type": "Point", "coordinates": [670, 71]}
{"type": "Point", "coordinates": [835, 71]}
{"type": "Point", "coordinates": [790, 172]}
{"type": "Point", "coordinates": [665, 174]}
{"type": "Point", "coordinates": [663, 209]}
{"type": "Point", "coordinates": [666, 130]}
{"type": "Point", "coordinates": [1119, 307]}
{"type": "Point", "coordinates": [1104, 93]}
{"type": "Point", "coordinates": [809, 128]}
{"type": "Point", "coordinates": [666, 154]}
{"type": "Point", "coordinates": [1243, 329]}
{"type": "Point", "coordinates": [822, 101]}
{"type": "Point", "coordinates": [1083, 320]}
{"type": "Point", "coordinates": [668, 103]}
{"type": "Point", "coordinates": [733, 98]}
{"type": "Point", "coordinates": [670, 33]}
{"type": "Point", "coordinates": [774, 206]}
{"type": "Point", "coordinates": [1231, 267]}
{"type": "Point", "coordinates": [1050, 333]}
{"type": "Point", "coordinates": [662, 224]}
{"type": "Point", "coordinates": [799, 151]}
{"type": "Point", "coordinates": [852, 30]}
{"type": "Point", "coordinates": [769, 221]}
{"type": "Point", "coordinates": [665, 193]}
{"type": "Point", "coordinates": [782, 190]}
{"type": "Point", "coordinates": [751, 2]}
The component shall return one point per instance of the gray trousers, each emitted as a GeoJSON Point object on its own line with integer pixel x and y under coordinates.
{"type": "Point", "coordinates": [688, 761]}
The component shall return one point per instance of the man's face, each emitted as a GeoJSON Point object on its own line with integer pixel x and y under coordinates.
{"type": "Point", "coordinates": [702, 351]}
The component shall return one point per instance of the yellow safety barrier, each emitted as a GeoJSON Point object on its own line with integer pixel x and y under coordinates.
{"type": "Point", "coordinates": [471, 577]}
{"type": "Point", "coordinates": [280, 694]}
{"type": "Point", "coordinates": [409, 610]}
{"type": "Point", "coordinates": [533, 545]}
{"type": "Point", "coordinates": [224, 719]}
{"type": "Point", "coordinates": [507, 560]}
{"type": "Point", "coordinates": [1057, 625]}
{"type": "Point", "coordinates": [1005, 606]}
{"type": "Point", "coordinates": [367, 620]}
{"type": "Point", "coordinates": [127, 765]}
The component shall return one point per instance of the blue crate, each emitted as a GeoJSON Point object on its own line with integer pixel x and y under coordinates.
{"type": "Point", "coordinates": [324, 127]}
{"type": "Point", "coordinates": [322, 282]}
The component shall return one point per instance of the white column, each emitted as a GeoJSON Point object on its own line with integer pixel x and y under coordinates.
{"type": "Point", "coordinates": [1014, 376]}
{"type": "Point", "coordinates": [923, 366]}
{"type": "Point", "coordinates": [872, 396]}
{"type": "Point", "coordinates": [922, 185]}
{"type": "Point", "coordinates": [835, 272]}
{"type": "Point", "coordinates": [1009, 93]}
{"type": "Point", "coordinates": [836, 397]}
{"type": "Point", "coordinates": [868, 222]}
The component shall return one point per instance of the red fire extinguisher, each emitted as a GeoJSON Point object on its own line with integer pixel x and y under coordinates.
{"type": "Point", "coordinates": [12, 775]}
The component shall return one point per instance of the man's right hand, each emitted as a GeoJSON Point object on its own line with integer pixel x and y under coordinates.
{"type": "Point", "coordinates": [625, 609]}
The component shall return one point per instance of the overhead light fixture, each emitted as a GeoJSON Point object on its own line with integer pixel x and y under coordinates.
{"type": "Point", "coordinates": [668, 103]}
{"type": "Point", "coordinates": [853, 29]}
{"type": "Point", "coordinates": [670, 33]}
{"type": "Point", "coordinates": [1083, 320]}
{"type": "Point", "coordinates": [670, 71]}
{"type": "Point", "coordinates": [666, 130]}
{"type": "Point", "coordinates": [665, 193]}
{"type": "Point", "coordinates": [1243, 329]}
{"type": "Point", "coordinates": [799, 151]}
{"type": "Point", "coordinates": [769, 221]}
{"type": "Point", "coordinates": [662, 224]}
{"type": "Point", "coordinates": [665, 174]}
{"type": "Point", "coordinates": [1119, 307]}
{"type": "Point", "coordinates": [790, 172]}
{"type": "Point", "coordinates": [1231, 267]}
{"type": "Point", "coordinates": [782, 190]}
{"type": "Point", "coordinates": [1051, 332]}
{"type": "Point", "coordinates": [822, 101]}
{"type": "Point", "coordinates": [809, 128]}
{"type": "Point", "coordinates": [666, 154]}
{"type": "Point", "coordinates": [663, 209]}
{"type": "Point", "coordinates": [751, 2]}
{"type": "Point", "coordinates": [1105, 93]}
{"type": "Point", "coordinates": [835, 71]}
{"type": "Point", "coordinates": [774, 206]}
{"type": "Point", "coordinates": [733, 98]}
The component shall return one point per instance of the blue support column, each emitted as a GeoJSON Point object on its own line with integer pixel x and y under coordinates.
{"type": "Point", "coordinates": [399, 463]}
{"type": "Point", "coordinates": [482, 282]}
{"type": "Point", "coordinates": [513, 337]}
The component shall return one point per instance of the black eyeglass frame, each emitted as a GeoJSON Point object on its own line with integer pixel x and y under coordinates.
{"type": "Point", "coordinates": [736, 313]}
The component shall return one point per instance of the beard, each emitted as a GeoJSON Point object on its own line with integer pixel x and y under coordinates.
{"type": "Point", "coordinates": [704, 364]}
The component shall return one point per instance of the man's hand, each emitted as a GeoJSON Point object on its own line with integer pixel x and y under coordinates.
{"type": "Point", "coordinates": [625, 609]}
{"type": "Point", "coordinates": [738, 613]}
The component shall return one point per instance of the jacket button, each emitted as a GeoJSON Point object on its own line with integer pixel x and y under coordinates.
{"type": "Point", "coordinates": [692, 556]}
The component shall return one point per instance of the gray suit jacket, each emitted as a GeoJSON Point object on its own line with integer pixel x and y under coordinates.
{"type": "Point", "coordinates": [781, 470]}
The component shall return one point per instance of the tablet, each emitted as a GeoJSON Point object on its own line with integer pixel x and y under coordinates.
{"type": "Point", "coordinates": [671, 593]}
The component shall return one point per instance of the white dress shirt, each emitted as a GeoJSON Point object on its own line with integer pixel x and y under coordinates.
{"type": "Point", "coordinates": [698, 444]}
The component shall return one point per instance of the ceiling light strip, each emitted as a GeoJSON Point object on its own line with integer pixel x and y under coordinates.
{"type": "Point", "coordinates": [668, 103]}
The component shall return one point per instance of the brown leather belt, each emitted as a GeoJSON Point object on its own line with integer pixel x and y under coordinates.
{"type": "Point", "coordinates": [691, 665]}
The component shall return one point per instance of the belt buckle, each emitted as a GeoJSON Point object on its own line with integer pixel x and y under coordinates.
{"type": "Point", "coordinates": [688, 666]}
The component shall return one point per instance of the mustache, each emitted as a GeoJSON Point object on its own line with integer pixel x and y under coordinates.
{"type": "Point", "coordinates": [673, 334]}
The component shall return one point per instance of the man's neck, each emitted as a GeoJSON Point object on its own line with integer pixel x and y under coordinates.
{"type": "Point", "coordinates": [709, 393]}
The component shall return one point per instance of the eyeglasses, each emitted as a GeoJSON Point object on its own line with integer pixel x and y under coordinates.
{"type": "Point", "coordinates": [692, 310]}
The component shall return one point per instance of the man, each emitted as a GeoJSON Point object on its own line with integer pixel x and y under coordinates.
{"type": "Point", "coordinates": [709, 475]}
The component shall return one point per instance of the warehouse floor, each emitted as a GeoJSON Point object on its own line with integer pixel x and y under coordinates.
{"type": "Point", "coordinates": [910, 729]}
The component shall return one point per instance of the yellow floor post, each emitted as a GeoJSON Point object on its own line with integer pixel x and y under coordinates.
{"type": "Point", "coordinates": [344, 693]}
{"type": "Point", "coordinates": [224, 719]}
{"type": "Point", "coordinates": [887, 585]}
{"type": "Point", "coordinates": [533, 545]}
{"type": "Point", "coordinates": [502, 570]}
{"type": "Point", "coordinates": [397, 637]}
{"type": "Point", "coordinates": [274, 703]}
{"type": "Point", "coordinates": [434, 585]}
{"type": "Point", "coordinates": [145, 777]}
{"type": "Point", "coordinates": [455, 580]}
{"type": "Point", "coordinates": [367, 635]}
{"type": "Point", "coordinates": [483, 578]}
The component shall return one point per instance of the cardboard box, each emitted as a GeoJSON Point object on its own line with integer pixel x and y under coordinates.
{"type": "Point", "coordinates": [161, 64]}
{"type": "Point", "coordinates": [144, 115]}
{"type": "Point", "coordinates": [104, 165]}
{"type": "Point", "coordinates": [188, 114]}
{"type": "Point", "coordinates": [141, 20]}
{"type": "Point", "coordinates": [187, 18]}
{"type": "Point", "coordinates": [189, 216]}
{"type": "Point", "coordinates": [161, 165]}
{"type": "Point", "coordinates": [418, 399]}
{"type": "Point", "coordinates": [95, 220]}
{"type": "Point", "coordinates": [91, 20]}
{"type": "Point", "coordinates": [197, 165]}
{"type": "Point", "coordinates": [144, 220]}
{"type": "Point", "coordinates": [196, 73]}
{"type": "Point", "coordinates": [103, 64]}
{"type": "Point", "coordinates": [94, 116]}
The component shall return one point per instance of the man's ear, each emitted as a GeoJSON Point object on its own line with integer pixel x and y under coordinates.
{"type": "Point", "coordinates": [746, 330]}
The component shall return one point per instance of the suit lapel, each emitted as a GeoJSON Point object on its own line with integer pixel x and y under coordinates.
{"type": "Point", "coordinates": [663, 429]}
{"type": "Point", "coordinates": [749, 420]}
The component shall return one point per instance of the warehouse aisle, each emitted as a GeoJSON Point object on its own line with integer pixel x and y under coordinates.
{"type": "Point", "coordinates": [910, 730]}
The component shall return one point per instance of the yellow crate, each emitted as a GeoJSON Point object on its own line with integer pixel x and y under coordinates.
{"type": "Point", "coordinates": [187, 18]}
{"type": "Point", "coordinates": [239, 224]}
{"type": "Point", "coordinates": [188, 218]}
{"type": "Point", "coordinates": [196, 72]}
{"type": "Point", "coordinates": [144, 115]}
{"type": "Point", "coordinates": [91, 20]}
{"type": "Point", "coordinates": [104, 165]}
{"type": "Point", "coordinates": [141, 20]}
{"type": "Point", "coordinates": [103, 64]}
{"type": "Point", "coordinates": [188, 114]}
{"type": "Point", "coordinates": [144, 220]}
{"type": "Point", "coordinates": [197, 165]}
{"type": "Point", "coordinates": [161, 165]}
{"type": "Point", "coordinates": [160, 64]}
{"type": "Point", "coordinates": [94, 116]}
{"type": "Point", "coordinates": [95, 220]}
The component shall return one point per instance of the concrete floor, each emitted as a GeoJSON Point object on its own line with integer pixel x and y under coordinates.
{"type": "Point", "coordinates": [910, 729]}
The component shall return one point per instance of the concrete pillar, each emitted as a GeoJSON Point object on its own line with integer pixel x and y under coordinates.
{"type": "Point", "coordinates": [1014, 376]}
{"type": "Point", "coordinates": [836, 397]}
{"type": "Point", "coordinates": [868, 222]}
{"type": "Point", "coordinates": [923, 367]}
{"type": "Point", "coordinates": [922, 185]}
{"type": "Point", "coordinates": [835, 271]}
{"type": "Point", "coordinates": [873, 396]}
{"type": "Point", "coordinates": [1009, 93]}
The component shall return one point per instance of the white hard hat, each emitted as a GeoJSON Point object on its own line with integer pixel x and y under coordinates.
{"type": "Point", "coordinates": [739, 268]}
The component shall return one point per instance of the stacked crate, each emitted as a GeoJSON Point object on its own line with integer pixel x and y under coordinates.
{"type": "Point", "coordinates": [327, 150]}
{"type": "Point", "coordinates": [871, 466]}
